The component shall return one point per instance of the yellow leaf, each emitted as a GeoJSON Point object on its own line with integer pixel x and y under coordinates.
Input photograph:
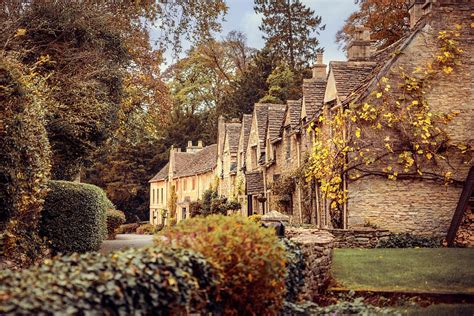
{"type": "Point", "coordinates": [447, 70]}
{"type": "Point", "coordinates": [378, 95]}
{"type": "Point", "coordinates": [429, 156]}
{"type": "Point", "coordinates": [357, 132]}
{"type": "Point", "coordinates": [20, 32]}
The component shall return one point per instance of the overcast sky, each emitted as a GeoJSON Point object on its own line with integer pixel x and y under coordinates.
{"type": "Point", "coordinates": [241, 17]}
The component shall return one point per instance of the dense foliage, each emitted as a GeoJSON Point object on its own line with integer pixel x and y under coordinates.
{"type": "Point", "coordinates": [407, 240]}
{"type": "Point", "coordinates": [250, 258]}
{"type": "Point", "coordinates": [295, 266]}
{"type": "Point", "coordinates": [24, 159]}
{"type": "Point", "coordinates": [146, 229]}
{"type": "Point", "coordinates": [132, 282]}
{"type": "Point", "coordinates": [128, 228]}
{"type": "Point", "coordinates": [74, 217]}
{"type": "Point", "coordinates": [212, 203]}
{"type": "Point", "coordinates": [115, 218]}
{"type": "Point", "coordinates": [387, 21]}
{"type": "Point", "coordinates": [290, 30]}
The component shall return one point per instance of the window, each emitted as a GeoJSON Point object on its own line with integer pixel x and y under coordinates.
{"type": "Point", "coordinates": [183, 214]}
{"type": "Point", "coordinates": [185, 184]}
{"type": "Point", "coordinates": [162, 200]}
{"type": "Point", "coordinates": [194, 184]}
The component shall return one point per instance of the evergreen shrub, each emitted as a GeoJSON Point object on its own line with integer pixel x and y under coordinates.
{"type": "Point", "coordinates": [146, 229]}
{"type": "Point", "coordinates": [407, 240]}
{"type": "Point", "coordinates": [145, 281]}
{"type": "Point", "coordinates": [251, 259]}
{"type": "Point", "coordinates": [295, 266]}
{"type": "Point", "coordinates": [128, 228]}
{"type": "Point", "coordinates": [115, 218]}
{"type": "Point", "coordinates": [74, 217]}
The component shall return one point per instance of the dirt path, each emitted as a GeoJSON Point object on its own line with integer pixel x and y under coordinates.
{"type": "Point", "coordinates": [126, 241]}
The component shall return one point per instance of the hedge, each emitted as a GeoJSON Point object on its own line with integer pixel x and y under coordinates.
{"type": "Point", "coordinates": [146, 281]}
{"type": "Point", "coordinates": [115, 218]}
{"type": "Point", "coordinates": [74, 217]}
{"type": "Point", "coordinates": [24, 160]}
{"type": "Point", "coordinates": [251, 259]}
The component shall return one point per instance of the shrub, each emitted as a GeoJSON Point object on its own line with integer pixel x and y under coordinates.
{"type": "Point", "coordinates": [146, 229]}
{"type": "Point", "coordinates": [250, 258]}
{"type": "Point", "coordinates": [115, 218]}
{"type": "Point", "coordinates": [24, 160]}
{"type": "Point", "coordinates": [256, 218]}
{"type": "Point", "coordinates": [74, 217]}
{"type": "Point", "coordinates": [295, 266]}
{"type": "Point", "coordinates": [146, 281]}
{"type": "Point", "coordinates": [128, 228]}
{"type": "Point", "coordinates": [407, 240]}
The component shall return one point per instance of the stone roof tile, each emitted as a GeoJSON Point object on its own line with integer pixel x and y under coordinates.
{"type": "Point", "coordinates": [294, 110]}
{"type": "Point", "coordinates": [276, 118]}
{"type": "Point", "coordinates": [162, 174]}
{"type": "Point", "coordinates": [313, 94]}
{"type": "Point", "coordinates": [200, 162]}
{"type": "Point", "coordinates": [254, 182]}
{"type": "Point", "coordinates": [233, 135]}
{"type": "Point", "coordinates": [349, 75]}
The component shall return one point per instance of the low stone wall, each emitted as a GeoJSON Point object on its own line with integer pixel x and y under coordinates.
{"type": "Point", "coordinates": [317, 246]}
{"type": "Point", "coordinates": [358, 238]}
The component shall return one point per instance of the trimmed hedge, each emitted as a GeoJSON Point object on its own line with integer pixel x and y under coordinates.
{"type": "Point", "coordinates": [251, 259]}
{"type": "Point", "coordinates": [146, 281]}
{"type": "Point", "coordinates": [407, 240]}
{"type": "Point", "coordinates": [146, 229]}
{"type": "Point", "coordinates": [74, 217]}
{"type": "Point", "coordinates": [115, 218]}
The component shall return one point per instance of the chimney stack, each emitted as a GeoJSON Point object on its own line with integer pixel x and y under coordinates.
{"type": "Point", "coordinates": [418, 8]}
{"type": "Point", "coordinates": [360, 48]}
{"type": "Point", "coordinates": [200, 145]}
{"type": "Point", "coordinates": [319, 69]}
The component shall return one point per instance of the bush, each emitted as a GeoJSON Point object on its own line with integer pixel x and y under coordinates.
{"type": "Point", "coordinates": [74, 217]}
{"type": "Point", "coordinates": [295, 266]}
{"type": "Point", "coordinates": [146, 281]}
{"type": "Point", "coordinates": [355, 307]}
{"type": "Point", "coordinates": [128, 228]}
{"type": "Point", "coordinates": [256, 218]}
{"type": "Point", "coordinates": [24, 160]}
{"type": "Point", "coordinates": [407, 240]}
{"type": "Point", "coordinates": [115, 218]}
{"type": "Point", "coordinates": [146, 229]}
{"type": "Point", "coordinates": [250, 258]}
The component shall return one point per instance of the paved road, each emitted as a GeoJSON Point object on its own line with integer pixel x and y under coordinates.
{"type": "Point", "coordinates": [126, 241]}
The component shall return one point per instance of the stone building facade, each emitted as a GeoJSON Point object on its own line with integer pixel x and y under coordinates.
{"type": "Point", "coordinates": [272, 144]}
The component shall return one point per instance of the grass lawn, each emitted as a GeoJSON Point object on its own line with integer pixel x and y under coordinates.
{"type": "Point", "coordinates": [438, 270]}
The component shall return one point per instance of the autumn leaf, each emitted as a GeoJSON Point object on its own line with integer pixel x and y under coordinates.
{"type": "Point", "coordinates": [20, 32]}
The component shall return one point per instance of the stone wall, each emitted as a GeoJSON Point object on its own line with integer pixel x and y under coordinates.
{"type": "Point", "coordinates": [358, 238]}
{"type": "Point", "coordinates": [317, 246]}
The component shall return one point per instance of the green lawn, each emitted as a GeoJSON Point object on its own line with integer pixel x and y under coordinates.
{"type": "Point", "coordinates": [439, 270]}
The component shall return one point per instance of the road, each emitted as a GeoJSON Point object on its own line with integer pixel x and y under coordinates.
{"type": "Point", "coordinates": [126, 241]}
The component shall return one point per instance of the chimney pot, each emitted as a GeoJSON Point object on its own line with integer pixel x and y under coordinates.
{"type": "Point", "coordinates": [190, 143]}
{"type": "Point", "coordinates": [200, 145]}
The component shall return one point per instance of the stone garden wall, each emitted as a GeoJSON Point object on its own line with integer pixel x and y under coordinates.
{"type": "Point", "coordinates": [317, 246]}
{"type": "Point", "coordinates": [358, 238]}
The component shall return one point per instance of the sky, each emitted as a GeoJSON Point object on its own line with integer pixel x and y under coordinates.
{"type": "Point", "coordinates": [241, 17]}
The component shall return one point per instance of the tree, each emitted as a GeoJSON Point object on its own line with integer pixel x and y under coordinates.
{"type": "Point", "coordinates": [95, 47]}
{"type": "Point", "coordinates": [280, 85]}
{"type": "Point", "coordinates": [250, 87]}
{"type": "Point", "coordinates": [290, 30]}
{"type": "Point", "coordinates": [387, 20]}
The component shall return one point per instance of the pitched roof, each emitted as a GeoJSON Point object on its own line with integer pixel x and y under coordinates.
{"type": "Point", "coordinates": [246, 126]}
{"type": "Point", "coordinates": [261, 113]}
{"type": "Point", "coordinates": [349, 75]}
{"type": "Point", "coordinates": [162, 174]}
{"type": "Point", "coordinates": [200, 162]}
{"type": "Point", "coordinates": [294, 112]}
{"type": "Point", "coordinates": [254, 182]}
{"type": "Point", "coordinates": [313, 93]}
{"type": "Point", "coordinates": [233, 135]}
{"type": "Point", "coordinates": [276, 117]}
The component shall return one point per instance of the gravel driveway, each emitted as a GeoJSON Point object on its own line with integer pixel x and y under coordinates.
{"type": "Point", "coordinates": [126, 241]}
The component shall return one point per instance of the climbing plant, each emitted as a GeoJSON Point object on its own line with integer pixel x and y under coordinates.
{"type": "Point", "coordinates": [393, 132]}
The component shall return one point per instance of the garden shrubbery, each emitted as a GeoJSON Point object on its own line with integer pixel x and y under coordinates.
{"type": "Point", "coordinates": [147, 281]}
{"type": "Point", "coordinates": [146, 229]}
{"type": "Point", "coordinates": [407, 240]}
{"type": "Point", "coordinates": [251, 259]}
{"type": "Point", "coordinates": [295, 266]}
{"type": "Point", "coordinates": [128, 228]}
{"type": "Point", "coordinates": [115, 218]}
{"type": "Point", "coordinates": [74, 217]}
{"type": "Point", "coordinates": [212, 203]}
